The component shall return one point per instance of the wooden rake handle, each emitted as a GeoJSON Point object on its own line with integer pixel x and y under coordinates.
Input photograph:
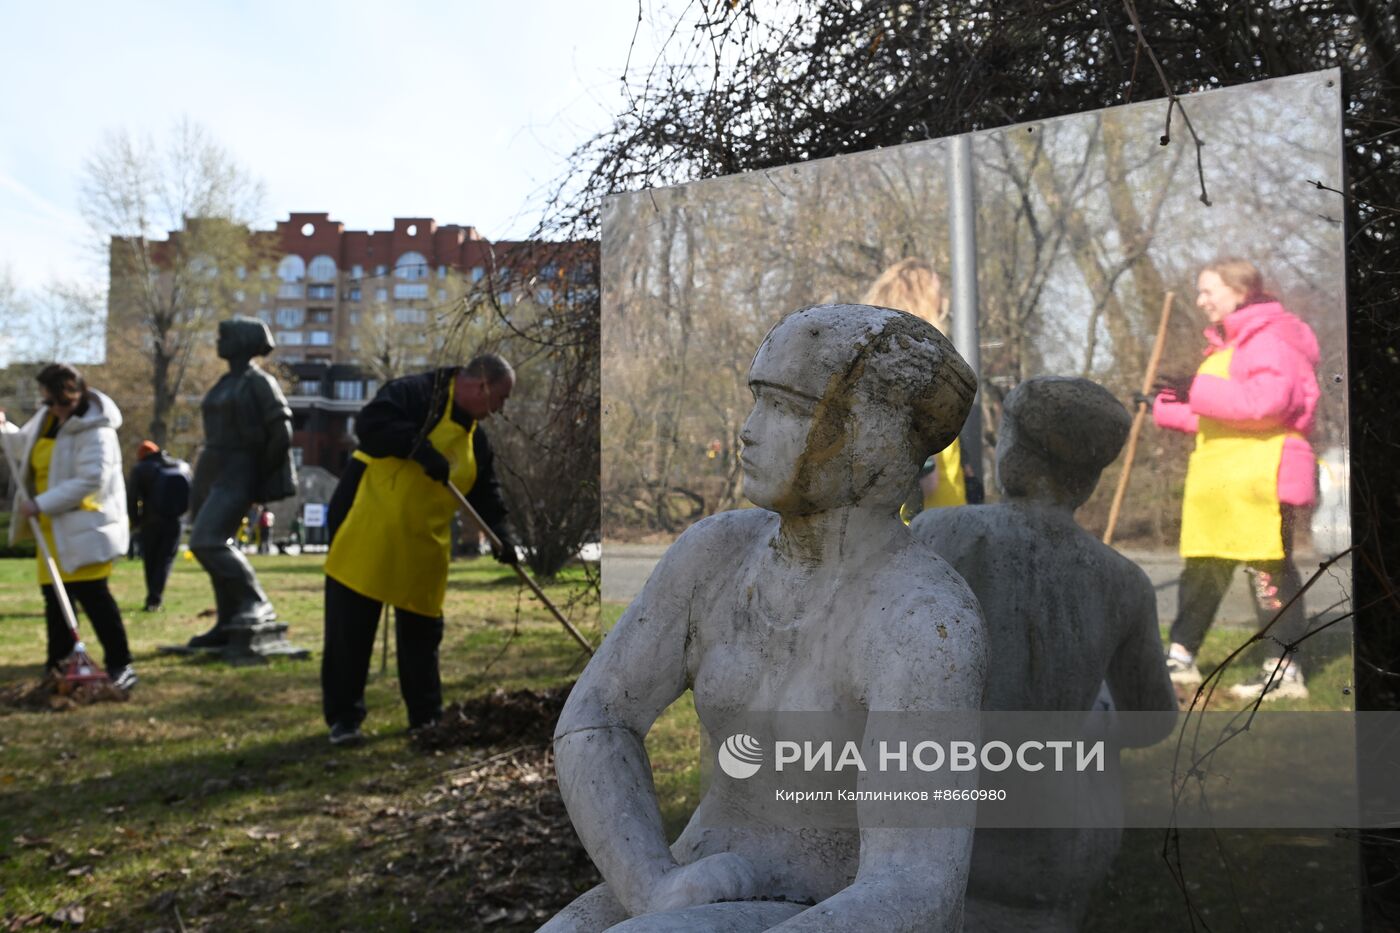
{"type": "Point", "coordinates": [520, 571]}
{"type": "Point", "coordinates": [1138, 417]}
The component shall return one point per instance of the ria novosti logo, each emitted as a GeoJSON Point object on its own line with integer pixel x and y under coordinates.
{"type": "Point", "coordinates": [740, 756]}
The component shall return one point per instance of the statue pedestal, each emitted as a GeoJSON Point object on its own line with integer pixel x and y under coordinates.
{"type": "Point", "coordinates": [254, 644]}
{"type": "Point", "coordinates": [247, 645]}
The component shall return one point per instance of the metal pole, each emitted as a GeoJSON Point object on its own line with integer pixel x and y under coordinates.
{"type": "Point", "coordinates": [962, 240]}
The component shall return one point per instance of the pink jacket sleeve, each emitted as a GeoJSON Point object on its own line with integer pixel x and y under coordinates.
{"type": "Point", "coordinates": [1260, 392]}
{"type": "Point", "coordinates": [1177, 416]}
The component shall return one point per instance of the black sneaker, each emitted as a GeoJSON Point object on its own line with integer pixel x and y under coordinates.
{"type": "Point", "coordinates": [343, 733]}
{"type": "Point", "coordinates": [152, 606]}
{"type": "Point", "coordinates": [124, 679]}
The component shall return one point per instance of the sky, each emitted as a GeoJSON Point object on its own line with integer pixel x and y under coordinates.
{"type": "Point", "coordinates": [461, 111]}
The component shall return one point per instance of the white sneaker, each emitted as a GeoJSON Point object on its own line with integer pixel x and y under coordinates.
{"type": "Point", "coordinates": [1181, 666]}
{"type": "Point", "coordinates": [1274, 683]}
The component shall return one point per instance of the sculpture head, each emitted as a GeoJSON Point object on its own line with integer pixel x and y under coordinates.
{"type": "Point", "coordinates": [1057, 434]}
{"type": "Point", "coordinates": [242, 338]}
{"type": "Point", "coordinates": [849, 400]}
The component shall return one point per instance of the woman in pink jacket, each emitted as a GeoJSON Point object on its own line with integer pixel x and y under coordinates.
{"type": "Point", "coordinates": [1251, 406]}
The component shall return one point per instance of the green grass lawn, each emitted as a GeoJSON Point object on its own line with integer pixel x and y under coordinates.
{"type": "Point", "coordinates": [212, 801]}
{"type": "Point", "coordinates": [213, 790]}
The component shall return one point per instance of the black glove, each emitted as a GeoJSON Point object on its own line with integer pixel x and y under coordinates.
{"type": "Point", "coordinates": [1174, 389]}
{"type": "Point", "coordinates": [508, 554]}
{"type": "Point", "coordinates": [433, 462]}
{"type": "Point", "coordinates": [1144, 400]}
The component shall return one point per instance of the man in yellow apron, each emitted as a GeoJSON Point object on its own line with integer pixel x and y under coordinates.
{"type": "Point", "coordinates": [390, 522]}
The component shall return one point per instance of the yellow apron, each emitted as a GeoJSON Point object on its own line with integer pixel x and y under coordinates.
{"type": "Point", "coordinates": [952, 487]}
{"type": "Point", "coordinates": [1231, 506]}
{"type": "Point", "coordinates": [396, 542]}
{"type": "Point", "coordinates": [39, 462]}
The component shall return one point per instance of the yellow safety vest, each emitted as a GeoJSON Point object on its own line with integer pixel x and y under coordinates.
{"type": "Point", "coordinates": [952, 487]}
{"type": "Point", "coordinates": [396, 541]}
{"type": "Point", "coordinates": [1231, 507]}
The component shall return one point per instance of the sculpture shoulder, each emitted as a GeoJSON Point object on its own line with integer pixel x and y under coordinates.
{"type": "Point", "coordinates": [931, 623]}
{"type": "Point", "coordinates": [264, 384]}
{"type": "Point", "coordinates": [727, 533]}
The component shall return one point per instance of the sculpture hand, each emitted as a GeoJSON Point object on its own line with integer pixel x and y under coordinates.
{"type": "Point", "coordinates": [722, 877]}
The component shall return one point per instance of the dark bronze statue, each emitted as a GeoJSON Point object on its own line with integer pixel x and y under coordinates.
{"type": "Point", "coordinates": [246, 459]}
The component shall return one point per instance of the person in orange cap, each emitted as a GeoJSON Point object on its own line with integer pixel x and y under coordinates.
{"type": "Point", "coordinates": [157, 496]}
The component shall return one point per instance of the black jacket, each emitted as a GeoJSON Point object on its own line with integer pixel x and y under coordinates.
{"type": "Point", "coordinates": [396, 424]}
{"type": "Point", "coordinates": [141, 489]}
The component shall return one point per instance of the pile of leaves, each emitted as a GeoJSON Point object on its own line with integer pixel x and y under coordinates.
{"type": "Point", "coordinates": [45, 694]}
{"type": "Point", "coordinates": [520, 717]}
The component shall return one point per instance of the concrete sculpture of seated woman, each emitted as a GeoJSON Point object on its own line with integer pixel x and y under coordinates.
{"type": "Point", "coordinates": [820, 599]}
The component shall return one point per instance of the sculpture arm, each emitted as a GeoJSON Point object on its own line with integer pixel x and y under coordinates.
{"type": "Point", "coordinates": [909, 880]}
{"type": "Point", "coordinates": [913, 879]}
{"type": "Point", "coordinates": [1137, 672]}
{"type": "Point", "coordinates": [603, 770]}
{"type": "Point", "coordinates": [276, 417]}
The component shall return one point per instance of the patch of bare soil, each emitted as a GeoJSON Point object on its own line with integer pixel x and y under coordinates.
{"type": "Point", "coordinates": [521, 717]}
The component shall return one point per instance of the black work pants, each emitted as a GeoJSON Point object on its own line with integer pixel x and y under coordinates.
{"type": "Point", "coordinates": [1273, 583]}
{"type": "Point", "coordinates": [95, 597]}
{"type": "Point", "coordinates": [351, 623]}
{"type": "Point", "coordinates": [160, 540]}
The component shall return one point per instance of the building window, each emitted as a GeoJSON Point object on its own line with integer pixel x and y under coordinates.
{"type": "Point", "coordinates": [353, 294]}
{"type": "Point", "coordinates": [414, 290]}
{"type": "Point", "coordinates": [291, 269]}
{"type": "Point", "coordinates": [544, 296]}
{"type": "Point", "coordinates": [289, 290]}
{"type": "Point", "coordinates": [411, 315]}
{"type": "Point", "coordinates": [478, 273]}
{"type": "Point", "coordinates": [381, 294]}
{"type": "Point", "coordinates": [320, 338]}
{"type": "Point", "coordinates": [290, 317]}
{"type": "Point", "coordinates": [380, 270]}
{"type": "Point", "coordinates": [357, 271]}
{"type": "Point", "coordinates": [411, 267]}
{"type": "Point", "coordinates": [265, 315]}
{"type": "Point", "coordinates": [442, 272]}
{"type": "Point", "coordinates": [350, 390]}
{"type": "Point", "coordinates": [319, 315]}
{"type": "Point", "coordinates": [241, 272]}
{"type": "Point", "coordinates": [549, 271]}
{"type": "Point", "coordinates": [354, 341]}
{"type": "Point", "coordinates": [322, 269]}
{"type": "Point", "coordinates": [320, 292]}
{"type": "Point", "coordinates": [442, 294]}
{"type": "Point", "coordinates": [506, 298]}
{"type": "Point", "coordinates": [308, 387]}
{"type": "Point", "coordinates": [289, 338]}
{"type": "Point", "coordinates": [238, 296]}
{"type": "Point", "coordinates": [371, 386]}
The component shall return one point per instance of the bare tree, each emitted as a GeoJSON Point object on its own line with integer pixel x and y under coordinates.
{"type": "Point", "coordinates": [173, 222]}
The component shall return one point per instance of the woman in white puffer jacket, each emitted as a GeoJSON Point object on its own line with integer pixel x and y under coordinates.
{"type": "Point", "coordinates": [70, 466]}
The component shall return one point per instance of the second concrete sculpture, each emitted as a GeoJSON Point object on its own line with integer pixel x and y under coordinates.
{"type": "Point", "coordinates": [1064, 613]}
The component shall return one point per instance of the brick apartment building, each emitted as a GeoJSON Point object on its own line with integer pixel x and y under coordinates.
{"type": "Point", "coordinates": [320, 278]}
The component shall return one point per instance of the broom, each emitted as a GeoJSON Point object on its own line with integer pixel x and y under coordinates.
{"type": "Point", "coordinates": [78, 669]}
